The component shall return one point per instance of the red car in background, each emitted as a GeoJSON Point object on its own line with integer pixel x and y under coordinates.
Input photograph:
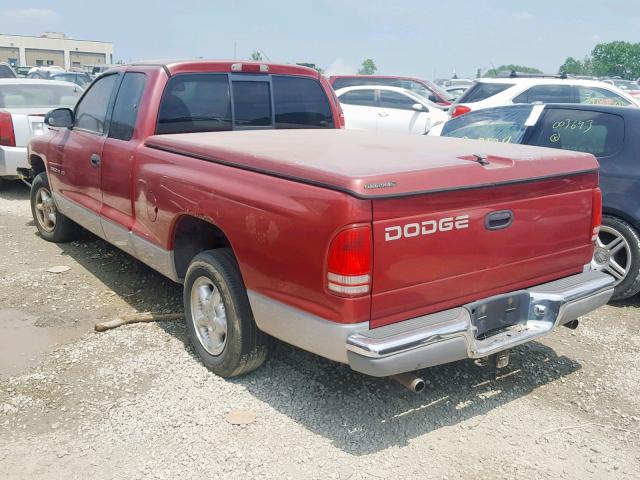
{"type": "Point", "coordinates": [422, 87]}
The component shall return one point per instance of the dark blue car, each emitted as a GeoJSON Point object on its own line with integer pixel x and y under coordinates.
{"type": "Point", "coordinates": [611, 134]}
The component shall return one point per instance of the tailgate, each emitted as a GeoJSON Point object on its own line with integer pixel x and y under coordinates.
{"type": "Point", "coordinates": [439, 250]}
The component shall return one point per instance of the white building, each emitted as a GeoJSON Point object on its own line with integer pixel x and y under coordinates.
{"type": "Point", "coordinates": [52, 48]}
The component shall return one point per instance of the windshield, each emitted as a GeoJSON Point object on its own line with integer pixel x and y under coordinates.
{"type": "Point", "coordinates": [505, 124]}
{"type": "Point", "coordinates": [38, 95]}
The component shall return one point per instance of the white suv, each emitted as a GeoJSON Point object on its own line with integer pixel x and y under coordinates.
{"type": "Point", "coordinates": [496, 92]}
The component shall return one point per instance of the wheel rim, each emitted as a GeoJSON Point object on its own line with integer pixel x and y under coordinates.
{"type": "Point", "coordinates": [208, 315]}
{"type": "Point", "coordinates": [612, 254]}
{"type": "Point", "coordinates": [45, 208]}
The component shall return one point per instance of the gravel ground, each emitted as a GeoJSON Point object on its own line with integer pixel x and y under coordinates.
{"type": "Point", "coordinates": [135, 402]}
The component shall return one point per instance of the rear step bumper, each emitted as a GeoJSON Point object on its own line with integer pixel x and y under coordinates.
{"type": "Point", "coordinates": [473, 330]}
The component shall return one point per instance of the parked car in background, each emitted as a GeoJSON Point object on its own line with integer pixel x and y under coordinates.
{"type": "Point", "coordinates": [23, 104]}
{"type": "Point", "coordinates": [455, 82]}
{"type": "Point", "coordinates": [496, 92]}
{"type": "Point", "coordinates": [393, 109]}
{"type": "Point", "coordinates": [79, 78]}
{"type": "Point", "coordinates": [457, 91]}
{"type": "Point", "coordinates": [23, 72]}
{"type": "Point", "coordinates": [607, 132]}
{"type": "Point", "coordinates": [6, 71]}
{"type": "Point", "coordinates": [627, 86]}
{"type": "Point", "coordinates": [424, 88]}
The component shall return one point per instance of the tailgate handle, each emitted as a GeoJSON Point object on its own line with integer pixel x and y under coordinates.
{"type": "Point", "coordinates": [498, 220]}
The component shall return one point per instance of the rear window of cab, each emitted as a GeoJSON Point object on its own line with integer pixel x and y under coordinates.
{"type": "Point", "coordinates": [209, 102]}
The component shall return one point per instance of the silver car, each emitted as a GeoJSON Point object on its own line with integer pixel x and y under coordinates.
{"type": "Point", "coordinates": [23, 105]}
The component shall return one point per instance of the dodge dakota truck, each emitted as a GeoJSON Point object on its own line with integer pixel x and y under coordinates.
{"type": "Point", "coordinates": [389, 253]}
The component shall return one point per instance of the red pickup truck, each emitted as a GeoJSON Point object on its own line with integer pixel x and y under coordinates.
{"type": "Point", "coordinates": [388, 253]}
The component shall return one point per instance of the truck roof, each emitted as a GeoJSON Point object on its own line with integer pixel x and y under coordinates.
{"type": "Point", "coordinates": [173, 67]}
{"type": "Point", "coordinates": [375, 164]}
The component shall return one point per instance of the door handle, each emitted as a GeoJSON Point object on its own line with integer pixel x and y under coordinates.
{"type": "Point", "coordinates": [498, 220]}
{"type": "Point", "coordinates": [383, 114]}
{"type": "Point", "coordinates": [95, 160]}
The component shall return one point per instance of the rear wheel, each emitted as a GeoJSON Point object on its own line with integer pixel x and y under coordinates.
{"type": "Point", "coordinates": [52, 225]}
{"type": "Point", "coordinates": [617, 253]}
{"type": "Point", "coordinates": [218, 315]}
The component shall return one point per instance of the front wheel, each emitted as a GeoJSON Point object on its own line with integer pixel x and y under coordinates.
{"type": "Point", "coordinates": [617, 253]}
{"type": "Point", "coordinates": [52, 225]}
{"type": "Point", "coordinates": [219, 320]}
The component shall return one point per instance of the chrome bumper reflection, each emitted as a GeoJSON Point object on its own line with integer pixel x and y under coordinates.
{"type": "Point", "coordinates": [548, 306]}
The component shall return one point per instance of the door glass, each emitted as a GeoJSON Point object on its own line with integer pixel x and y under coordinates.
{"type": "Point", "coordinates": [600, 96]}
{"type": "Point", "coordinates": [480, 91]}
{"type": "Point", "coordinates": [125, 110]}
{"type": "Point", "coordinates": [395, 100]}
{"type": "Point", "coordinates": [598, 133]}
{"type": "Point", "coordinates": [252, 104]}
{"type": "Point", "coordinates": [506, 125]}
{"type": "Point", "coordinates": [365, 98]}
{"type": "Point", "coordinates": [91, 112]}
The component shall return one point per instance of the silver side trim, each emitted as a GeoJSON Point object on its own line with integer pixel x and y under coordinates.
{"type": "Point", "coordinates": [301, 329]}
{"type": "Point", "coordinates": [154, 256]}
{"type": "Point", "coordinates": [79, 214]}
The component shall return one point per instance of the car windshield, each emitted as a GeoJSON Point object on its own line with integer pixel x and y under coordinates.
{"type": "Point", "coordinates": [38, 95]}
{"type": "Point", "coordinates": [506, 124]}
{"type": "Point", "coordinates": [626, 85]}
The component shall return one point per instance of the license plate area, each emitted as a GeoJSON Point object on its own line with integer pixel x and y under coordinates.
{"type": "Point", "coordinates": [499, 313]}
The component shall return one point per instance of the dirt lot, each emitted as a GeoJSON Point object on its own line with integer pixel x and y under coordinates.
{"type": "Point", "coordinates": [135, 402]}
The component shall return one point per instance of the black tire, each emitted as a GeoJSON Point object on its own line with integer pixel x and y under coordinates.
{"type": "Point", "coordinates": [64, 229]}
{"type": "Point", "coordinates": [630, 284]}
{"type": "Point", "coordinates": [245, 346]}
{"type": "Point", "coordinates": [3, 183]}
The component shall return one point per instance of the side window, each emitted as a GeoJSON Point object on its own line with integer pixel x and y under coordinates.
{"type": "Point", "coordinates": [546, 94]}
{"type": "Point", "coordinates": [395, 100]}
{"type": "Point", "coordinates": [506, 125]}
{"type": "Point", "coordinates": [91, 112]}
{"type": "Point", "coordinates": [600, 96]}
{"type": "Point", "coordinates": [598, 133]}
{"type": "Point", "coordinates": [125, 110]}
{"type": "Point", "coordinates": [300, 103]}
{"type": "Point", "coordinates": [365, 98]}
{"type": "Point", "coordinates": [251, 103]}
{"type": "Point", "coordinates": [195, 103]}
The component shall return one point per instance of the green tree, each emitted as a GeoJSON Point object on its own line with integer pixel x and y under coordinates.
{"type": "Point", "coordinates": [616, 58]}
{"type": "Point", "coordinates": [368, 67]}
{"type": "Point", "coordinates": [256, 56]}
{"type": "Point", "coordinates": [509, 68]}
{"type": "Point", "coordinates": [573, 66]}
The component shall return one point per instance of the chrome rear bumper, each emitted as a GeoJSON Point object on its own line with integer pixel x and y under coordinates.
{"type": "Point", "coordinates": [453, 334]}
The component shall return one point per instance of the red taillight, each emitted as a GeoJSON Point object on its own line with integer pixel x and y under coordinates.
{"type": "Point", "coordinates": [459, 110]}
{"type": "Point", "coordinates": [596, 213]}
{"type": "Point", "coordinates": [349, 262]}
{"type": "Point", "coordinates": [7, 135]}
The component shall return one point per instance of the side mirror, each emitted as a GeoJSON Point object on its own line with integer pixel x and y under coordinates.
{"type": "Point", "coordinates": [418, 107]}
{"type": "Point", "coordinates": [60, 117]}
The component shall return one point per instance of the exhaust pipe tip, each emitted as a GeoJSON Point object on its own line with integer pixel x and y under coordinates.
{"type": "Point", "coordinates": [410, 381]}
{"type": "Point", "coordinates": [573, 324]}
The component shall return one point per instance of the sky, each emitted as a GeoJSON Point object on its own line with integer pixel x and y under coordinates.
{"type": "Point", "coordinates": [430, 39]}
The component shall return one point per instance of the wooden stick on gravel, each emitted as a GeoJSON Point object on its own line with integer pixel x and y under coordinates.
{"type": "Point", "coordinates": [137, 318]}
